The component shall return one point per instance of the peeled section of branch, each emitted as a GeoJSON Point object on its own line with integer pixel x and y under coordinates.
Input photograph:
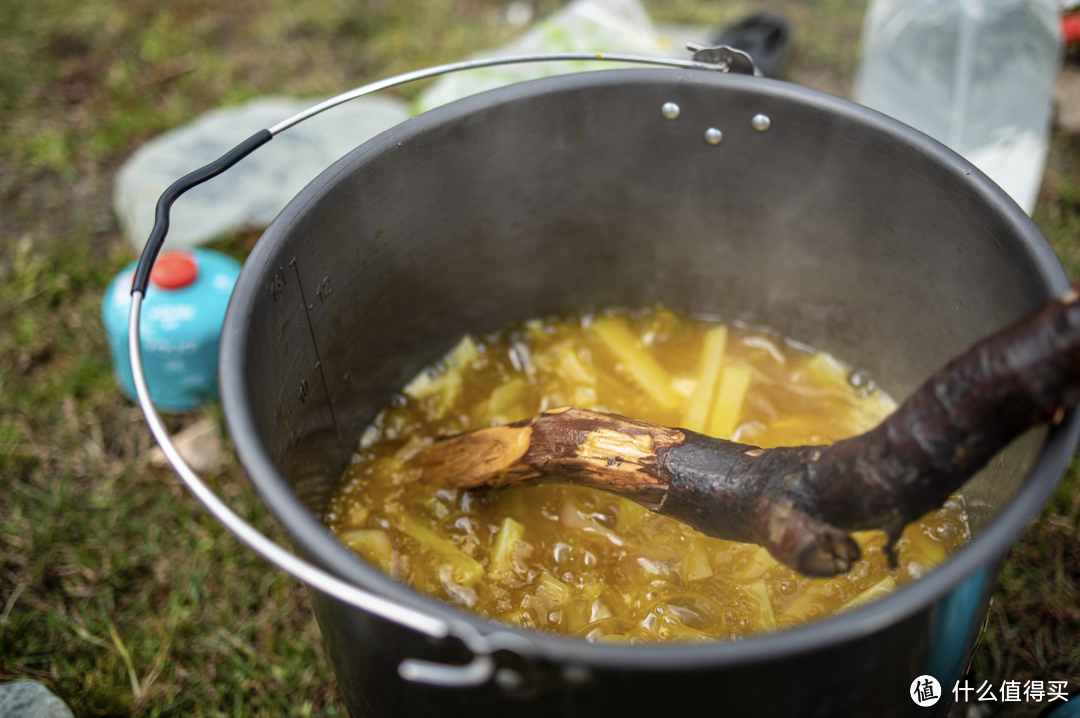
{"type": "Point", "coordinates": [799, 502]}
{"type": "Point", "coordinates": [604, 451]}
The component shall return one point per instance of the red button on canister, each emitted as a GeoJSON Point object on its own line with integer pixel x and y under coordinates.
{"type": "Point", "coordinates": [174, 270]}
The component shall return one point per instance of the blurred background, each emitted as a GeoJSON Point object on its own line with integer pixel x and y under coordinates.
{"type": "Point", "coordinates": [116, 590]}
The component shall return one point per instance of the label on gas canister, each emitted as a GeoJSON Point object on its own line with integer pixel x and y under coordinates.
{"type": "Point", "coordinates": [179, 327]}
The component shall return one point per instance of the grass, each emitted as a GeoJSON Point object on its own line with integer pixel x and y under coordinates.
{"type": "Point", "coordinates": [1033, 630]}
{"type": "Point", "coordinates": [116, 589]}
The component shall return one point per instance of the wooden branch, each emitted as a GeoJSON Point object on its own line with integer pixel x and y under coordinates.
{"type": "Point", "coordinates": [799, 502]}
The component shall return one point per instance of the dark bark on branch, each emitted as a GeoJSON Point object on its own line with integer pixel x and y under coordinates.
{"type": "Point", "coordinates": [799, 502]}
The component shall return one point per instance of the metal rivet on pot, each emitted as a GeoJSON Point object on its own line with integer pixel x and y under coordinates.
{"type": "Point", "coordinates": [713, 136]}
{"type": "Point", "coordinates": [670, 111]}
{"type": "Point", "coordinates": [761, 122]}
{"type": "Point", "coordinates": [508, 679]}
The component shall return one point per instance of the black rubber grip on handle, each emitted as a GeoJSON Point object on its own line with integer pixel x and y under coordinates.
{"type": "Point", "coordinates": [179, 187]}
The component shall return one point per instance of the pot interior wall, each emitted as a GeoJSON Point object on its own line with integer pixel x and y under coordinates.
{"type": "Point", "coordinates": [836, 227]}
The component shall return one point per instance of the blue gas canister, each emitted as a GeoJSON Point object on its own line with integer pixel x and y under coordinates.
{"type": "Point", "coordinates": [179, 328]}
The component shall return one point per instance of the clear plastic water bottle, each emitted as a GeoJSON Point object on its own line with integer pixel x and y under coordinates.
{"type": "Point", "coordinates": [976, 75]}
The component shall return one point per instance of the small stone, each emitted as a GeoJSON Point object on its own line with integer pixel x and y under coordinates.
{"type": "Point", "coordinates": [30, 699]}
{"type": "Point", "coordinates": [1067, 97]}
{"type": "Point", "coordinates": [199, 445]}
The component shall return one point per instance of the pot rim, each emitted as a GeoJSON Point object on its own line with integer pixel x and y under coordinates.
{"type": "Point", "coordinates": [313, 540]}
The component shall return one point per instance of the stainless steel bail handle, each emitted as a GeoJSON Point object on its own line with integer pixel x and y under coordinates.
{"type": "Point", "coordinates": [720, 58]}
{"type": "Point", "coordinates": [482, 666]}
{"type": "Point", "coordinates": [476, 672]}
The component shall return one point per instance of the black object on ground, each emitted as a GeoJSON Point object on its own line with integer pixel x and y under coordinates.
{"type": "Point", "coordinates": [766, 38]}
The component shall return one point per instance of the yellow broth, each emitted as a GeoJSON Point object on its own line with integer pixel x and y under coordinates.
{"type": "Point", "coordinates": [580, 562]}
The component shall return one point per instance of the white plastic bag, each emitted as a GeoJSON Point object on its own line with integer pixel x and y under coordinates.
{"type": "Point", "coordinates": [252, 193]}
{"type": "Point", "coordinates": [582, 26]}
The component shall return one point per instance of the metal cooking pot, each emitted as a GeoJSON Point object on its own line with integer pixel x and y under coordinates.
{"type": "Point", "coordinates": [821, 219]}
